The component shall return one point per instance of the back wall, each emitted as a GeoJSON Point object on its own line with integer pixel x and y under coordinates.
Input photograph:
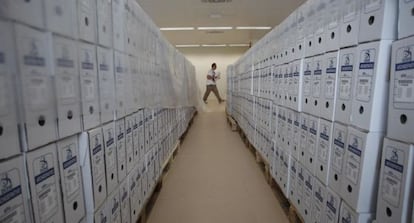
{"type": "Point", "coordinates": [203, 57]}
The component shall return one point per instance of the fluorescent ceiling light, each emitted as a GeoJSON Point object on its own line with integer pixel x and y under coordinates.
{"type": "Point", "coordinates": [176, 28]}
{"type": "Point", "coordinates": [216, 28]}
{"type": "Point", "coordinates": [239, 44]}
{"type": "Point", "coordinates": [214, 45]}
{"type": "Point", "coordinates": [187, 45]}
{"type": "Point", "coordinates": [253, 27]}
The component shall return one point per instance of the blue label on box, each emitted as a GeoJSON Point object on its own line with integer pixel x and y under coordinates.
{"type": "Point", "coordinates": [69, 162]}
{"type": "Point", "coordinates": [367, 66]}
{"type": "Point", "coordinates": [308, 72]}
{"type": "Point", "coordinates": [110, 142]}
{"type": "Point", "coordinates": [97, 149]}
{"type": "Point", "coordinates": [317, 72]}
{"type": "Point", "coordinates": [331, 207]}
{"type": "Point", "coordinates": [120, 136]}
{"type": "Point", "coordinates": [65, 63]}
{"type": "Point", "coordinates": [313, 131]}
{"type": "Point", "coordinates": [404, 66]}
{"type": "Point", "coordinates": [339, 143]}
{"type": "Point", "coordinates": [34, 61]}
{"type": "Point", "coordinates": [10, 195]}
{"type": "Point", "coordinates": [324, 136]}
{"type": "Point", "coordinates": [87, 66]}
{"type": "Point", "coordinates": [43, 176]}
{"type": "Point", "coordinates": [331, 70]}
{"type": "Point", "coordinates": [393, 165]}
{"type": "Point", "coordinates": [347, 68]}
{"type": "Point", "coordinates": [103, 67]}
{"type": "Point", "coordinates": [354, 150]}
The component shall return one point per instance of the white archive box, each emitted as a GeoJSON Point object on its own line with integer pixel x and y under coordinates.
{"type": "Point", "coordinates": [134, 185]}
{"type": "Point", "coordinates": [321, 11]}
{"type": "Point", "coordinates": [93, 169]}
{"type": "Point", "coordinates": [60, 17]}
{"type": "Point", "coordinates": [9, 133]}
{"type": "Point", "coordinates": [292, 180]}
{"type": "Point", "coordinates": [300, 182]}
{"type": "Point", "coordinates": [308, 189]}
{"type": "Point", "coordinates": [338, 147]}
{"type": "Point", "coordinates": [87, 20]}
{"type": "Point", "coordinates": [114, 206]}
{"type": "Point", "coordinates": [405, 18]}
{"type": "Point", "coordinates": [34, 61]}
{"type": "Point", "coordinates": [401, 97]}
{"type": "Point", "coordinates": [296, 98]}
{"type": "Point", "coordinates": [333, 21]}
{"type": "Point", "coordinates": [300, 31]}
{"type": "Point", "coordinates": [310, 11]}
{"type": "Point", "coordinates": [289, 130]}
{"type": "Point", "coordinates": [129, 144]}
{"type": "Point", "coordinates": [121, 149]}
{"type": "Point", "coordinates": [147, 129]}
{"type": "Point", "coordinates": [135, 82]}
{"type": "Point", "coordinates": [319, 202]}
{"type": "Point", "coordinates": [135, 136]}
{"type": "Point", "coordinates": [349, 28]}
{"type": "Point", "coordinates": [16, 208]}
{"type": "Point", "coordinates": [106, 84]}
{"type": "Point", "coordinates": [71, 179]}
{"type": "Point", "coordinates": [304, 124]}
{"type": "Point", "coordinates": [26, 12]}
{"type": "Point", "coordinates": [371, 91]}
{"type": "Point", "coordinates": [144, 179]}
{"type": "Point", "coordinates": [295, 148]}
{"type": "Point", "coordinates": [43, 174]}
{"type": "Point", "coordinates": [276, 161]}
{"type": "Point", "coordinates": [329, 85]}
{"type": "Point", "coordinates": [89, 85]}
{"type": "Point", "coordinates": [111, 166]}
{"type": "Point", "coordinates": [324, 150]}
{"type": "Point", "coordinates": [120, 84]}
{"type": "Point", "coordinates": [378, 20]}
{"type": "Point", "coordinates": [345, 88]}
{"type": "Point", "coordinates": [307, 85]}
{"type": "Point", "coordinates": [312, 144]}
{"type": "Point", "coordinates": [348, 215]}
{"type": "Point", "coordinates": [141, 128]}
{"type": "Point", "coordinates": [101, 215]}
{"type": "Point", "coordinates": [118, 37]}
{"type": "Point", "coordinates": [316, 96]}
{"type": "Point", "coordinates": [361, 170]}
{"type": "Point", "coordinates": [333, 203]}
{"type": "Point", "coordinates": [104, 18]}
{"type": "Point", "coordinates": [284, 172]}
{"type": "Point", "coordinates": [125, 205]}
{"type": "Point", "coordinates": [65, 59]}
{"type": "Point", "coordinates": [395, 194]}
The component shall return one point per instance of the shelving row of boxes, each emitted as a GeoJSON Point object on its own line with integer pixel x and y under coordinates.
{"type": "Point", "coordinates": [93, 100]}
{"type": "Point", "coordinates": [327, 97]}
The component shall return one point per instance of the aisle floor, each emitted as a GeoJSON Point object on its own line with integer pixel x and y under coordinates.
{"type": "Point", "coordinates": [215, 178]}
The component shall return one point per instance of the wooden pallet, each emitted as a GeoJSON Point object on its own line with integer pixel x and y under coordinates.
{"type": "Point", "coordinates": [289, 209]}
{"type": "Point", "coordinates": [232, 123]}
{"type": "Point", "coordinates": [148, 205]}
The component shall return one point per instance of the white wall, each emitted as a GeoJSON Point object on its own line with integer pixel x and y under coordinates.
{"type": "Point", "coordinates": [203, 57]}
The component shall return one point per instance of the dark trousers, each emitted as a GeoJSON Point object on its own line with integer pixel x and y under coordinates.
{"type": "Point", "coordinates": [211, 88]}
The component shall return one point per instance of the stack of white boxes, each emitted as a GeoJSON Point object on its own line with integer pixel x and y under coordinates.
{"type": "Point", "coordinates": [395, 194]}
{"type": "Point", "coordinates": [340, 168]}
{"type": "Point", "coordinates": [72, 101]}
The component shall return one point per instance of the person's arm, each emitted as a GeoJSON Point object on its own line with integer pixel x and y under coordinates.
{"type": "Point", "coordinates": [209, 77]}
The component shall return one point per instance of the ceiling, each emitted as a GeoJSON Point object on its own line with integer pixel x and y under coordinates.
{"type": "Point", "coordinates": [201, 13]}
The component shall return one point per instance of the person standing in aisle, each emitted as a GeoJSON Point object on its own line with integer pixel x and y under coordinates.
{"type": "Point", "coordinates": [212, 76]}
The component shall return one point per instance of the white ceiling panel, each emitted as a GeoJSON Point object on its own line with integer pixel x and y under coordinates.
{"type": "Point", "coordinates": [196, 13]}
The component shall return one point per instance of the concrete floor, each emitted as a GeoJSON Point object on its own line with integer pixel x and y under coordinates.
{"type": "Point", "coordinates": [215, 179]}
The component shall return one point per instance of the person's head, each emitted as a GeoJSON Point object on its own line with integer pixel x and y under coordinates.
{"type": "Point", "coordinates": [213, 66]}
